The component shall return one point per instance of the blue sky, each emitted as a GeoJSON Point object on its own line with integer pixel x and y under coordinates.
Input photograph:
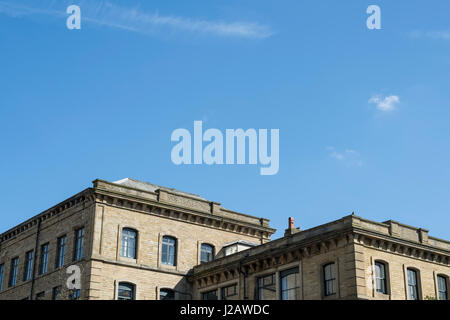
{"type": "Point", "coordinates": [363, 114]}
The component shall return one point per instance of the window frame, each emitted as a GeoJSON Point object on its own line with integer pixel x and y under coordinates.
{"type": "Point", "coordinates": [78, 248]}
{"type": "Point", "coordinates": [224, 291]}
{"type": "Point", "coordinates": [212, 253]}
{"type": "Point", "coordinates": [2, 275]}
{"type": "Point", "coordinates": [383, 281]}
{"type": "Point", "coordinates": [40, 295]}
{"type": "Point", "coordinates": [288, 272]}
{"type": "Point", "coordinates": [130, 285]}
{"type": "Point", "coordinates": [416, 273]}
{"type": "Point", "coordinates": [209, 294]}
{"type": "Point", "coordinates": [333, 280]}
{"type": "Point", "coordinates": [14, 271]}
{"type": "Point", "coordinates": [56, 291]}
{"type": "Point", "coordinates": [28, 265]}
{"type": "Point", "coordinates": [168, 293]}
{"type": "Point", "coordinates": [61, 248]}
{"type": "Point", "coordinates": [446, 283]}
{"type": "Point", "coordinates": [261, 286]}
{"type": "Point", "coordinates": [43, 258]}
{"type": "Point", "coordinates": [135, 244]}
{"type": "Point", "coordinates": [75, 294]}
{"type": "Point", "coordinates": [167, 255]}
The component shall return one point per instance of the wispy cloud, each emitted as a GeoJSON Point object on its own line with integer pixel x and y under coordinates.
{"type": "Point", "coordinates": [437, 35]}
{"type": "Point", "coordinates": [349, 157]}
{"type": "Point", "coordinates": [106, 13]}
{"type": "Point", "coordinates": [385, 104]}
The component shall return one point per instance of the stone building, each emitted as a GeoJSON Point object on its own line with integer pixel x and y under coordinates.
{"type": "Point", "coordinates": [130, 239]}
{"type": "Point", "coordinates": [350, 258]}
{"type": "Point", "coordinates": [134, 240]}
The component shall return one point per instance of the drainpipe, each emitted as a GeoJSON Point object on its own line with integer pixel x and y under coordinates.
{"type": "Point", "coordinates": [245, 278]}
{"type": "Point", "coordinates": [35, 258]}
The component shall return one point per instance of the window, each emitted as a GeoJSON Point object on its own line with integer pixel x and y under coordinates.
{"type": "Point", "coordinates": [40, 296]}
{"type": "Point", "coordinates": [28, 270]}
{"type": "Point", "coordinates": [229, 293]}
{"type": "Point", "coordinates": [442, 287]}
{"type": "Point", "coordinates": [412, 285]}
{"type": "Point", "coordinates": [169, 250]}
{"type": "Point", "coordinates": [380, 277]}
{"type": "Point", "coordinates": [56, 291]}
{"type": "Point", "coordinates": [79, 244]}
{"type": "Point", "coordinates": [43, 266]}
{"type": "Point", "coordinates": [266, 287]}
{"type": "Point", "coordinates": [166, 294]}
{"type": "Point", "coordinates": [209, 295]}
{"type": "Point", "coordinates": [206, 253]}
{"type": "Point", "coordinates": [75, 294]}
{"type": "Point", "coordinates": [126, 291]}
{"type": "Point", "coordinates": [129, 237]}
{"type": "Point", "coordinates": [329, 279]}
{"type": "Point", "coordinates": [13, 273]}
{"type": "Point", "coordinates": [2, 275]}
{"type": "Point", "coordinates": [60, 252]}
{"type": "Point", "coordinates": [289, 284]}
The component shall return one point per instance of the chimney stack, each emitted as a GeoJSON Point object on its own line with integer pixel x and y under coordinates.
{"type": "Point", "coordinates": [291, 223]}
{"type": "Point", "coordinates": [291, 228]}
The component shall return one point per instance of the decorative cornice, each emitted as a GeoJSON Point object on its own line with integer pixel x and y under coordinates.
{"type": "Point", "coordinates": [162, 202]}
{"type": "Point", "coordinates": [84, 196]}
{"type": "Point", "coordinates": [171, 205]}
{"type": "Point", "coordinates": [402, 247]}
{"type": "Point", "coordinates": [322, 239]}
{"type": "Point", "coordinates": [268, 258]}
{"type": "Point", "coordinates": [170, 211]}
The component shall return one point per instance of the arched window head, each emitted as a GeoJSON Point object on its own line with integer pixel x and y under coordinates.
{"type": "Point", "coordinates": [126, 291]}
{"type": "Point", "coordinates": [166, 294]}
{"type": "Point", "coordinates": [129, 237]}
{"type": "Point", "coordinates": [169, 251]}
{"type": "Point", "coordinates": [206, 253]}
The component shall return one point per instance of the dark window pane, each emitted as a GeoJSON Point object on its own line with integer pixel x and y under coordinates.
{"type": "Point", "coordinates": [56, 293]}
{"type": "Point", "coordinates": [60, 252]}
{"type": "Point", "coordinates": [229, 292]}
{"type": "Point", "coordinates": [2, 275]}
{"type": "Point", "coordinates": [166, 294]}
{"type": "Point", "coordinates": [329, 274]}
{"type": "Point", "coordinates": [29, 257]}
{"type": "Point", "coordinates": [13, 272]}
{"type": "Point", "coordinates": [125, 291]}
{"type": "Point", "coordinates": [40, 296]}
{"type": "Point", "coordinates": [43, 266]}
{"type": "Point", "coordinates": [75, 294]}
{"type": "Point", "coordinates": [79, 244]}
{"type": "Point", "coordinates": [210, 295]}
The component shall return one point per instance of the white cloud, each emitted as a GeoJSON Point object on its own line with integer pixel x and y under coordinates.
{"type": "Point", "coordinates": [349, 157]}
{"type": "Point", "coordinates": [439, 35]}
{"type": "Point", "coordinates": [385, 104]}
{"type": "Point", "coordinates": [108, 14]}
